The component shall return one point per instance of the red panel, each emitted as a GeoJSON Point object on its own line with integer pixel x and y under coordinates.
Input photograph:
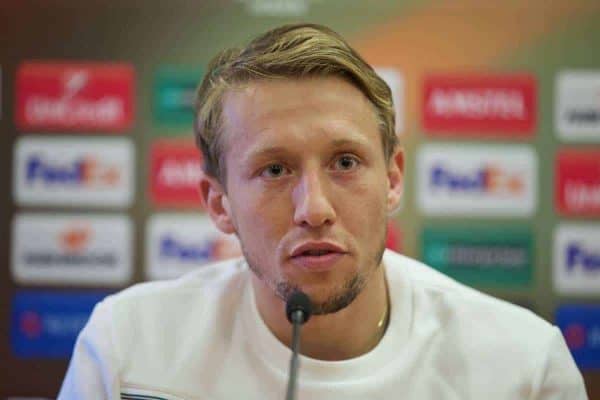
{"type": "Point", "coordinates": [577, 184]}
{"type": "Point", "coordinates": [502, 106]}
{"type": "Point", "coordinates": [175, 167]}
{"type": "Point", "coordinates": [74, 97]}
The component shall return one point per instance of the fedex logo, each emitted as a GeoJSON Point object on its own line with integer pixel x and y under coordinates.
{"type": "Point", "coordinates": [85, 171]}
{"type": "Point", "coordinates": [89, 96]}
{"type": "Point", "coordinates": [177, 244]}
{"type": "Point", "coordinates": [580, 325]}
{"type": "Point", "coordinates": [578, 256]}
{"type": "Point", "coordinates": [65, 171]}
{"type": "Point", "coordinates": [486, 105]}
{"type": "Point", "coordinates": [477, 180]}
{"type": "Point", "coordinates": [484, 179]}
{"type": "Point", "coordinates": [175, 170]}
{"type": "Point", "coordinates": [171, 248]}
{"type": "Point", "coordinates": [577, 182]}
{"type": "Point", "coordinates": [576, 266]}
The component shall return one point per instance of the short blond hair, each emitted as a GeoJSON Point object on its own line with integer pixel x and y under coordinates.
{"type": "Point", "coordinates": [289, 51]}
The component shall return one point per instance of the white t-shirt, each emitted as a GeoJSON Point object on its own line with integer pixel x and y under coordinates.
{"type": "Point", "coordinates": [201, 337]}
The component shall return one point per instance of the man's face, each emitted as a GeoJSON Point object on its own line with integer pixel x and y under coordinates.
{"type": "Point", "coordinates": [308, 188]}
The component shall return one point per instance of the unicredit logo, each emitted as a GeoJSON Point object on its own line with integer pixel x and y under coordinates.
{"type": "Point", "coordinates": [486, 180]}
{"type": "Point", "coordinates": [578, 256]}
{"type": "Point", "coordinates": [73, 109]}
{"type": "Point", "coordinates": [87, 171]}
{"type": "Point", "coordinates": [74, 96]}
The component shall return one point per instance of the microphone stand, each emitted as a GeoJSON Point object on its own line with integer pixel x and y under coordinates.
{"type": "Point", "coordinates": [298, 309]}
{"type": "Point", "coordinates": [297, 320]}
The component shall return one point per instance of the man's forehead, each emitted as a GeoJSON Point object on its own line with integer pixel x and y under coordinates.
{"type": "Point", "coordinates": [283, 99]}
{"type": "Point", "coordinates": [265, 117]}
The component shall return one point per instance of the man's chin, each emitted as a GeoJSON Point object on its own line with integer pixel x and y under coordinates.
{"type": "Point", "coordinates": [324, 300]}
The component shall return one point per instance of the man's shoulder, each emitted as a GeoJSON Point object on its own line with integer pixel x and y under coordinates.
{"type": "Point", "coordinates": [462, 308]}
{"type": "Point", "coordinates": [194, 289]}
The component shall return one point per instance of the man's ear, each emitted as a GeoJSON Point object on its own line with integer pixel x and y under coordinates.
{"type": "Point", "coordinates": [214, 200]}
{"type": "Point", "coordinates": [396, 180]}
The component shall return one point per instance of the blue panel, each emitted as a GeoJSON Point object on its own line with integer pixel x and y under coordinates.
{"type": "Point", "coordinates": [580, 324]}
{"type": "Point", "coordinates": [45, 324]}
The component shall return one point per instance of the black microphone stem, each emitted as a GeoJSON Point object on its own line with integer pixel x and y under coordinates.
{"type": "Point", "coordinates": [297, 320]}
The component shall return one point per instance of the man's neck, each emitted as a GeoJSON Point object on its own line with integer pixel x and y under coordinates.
{"type": "Point", "coordinates": [346, 334]}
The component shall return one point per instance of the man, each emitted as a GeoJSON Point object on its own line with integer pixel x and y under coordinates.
{"type": "Point", "coordinates": [303, 165]}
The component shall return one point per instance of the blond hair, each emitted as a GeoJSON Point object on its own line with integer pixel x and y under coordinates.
{"type": "Point", "coordinates": [289, 51]}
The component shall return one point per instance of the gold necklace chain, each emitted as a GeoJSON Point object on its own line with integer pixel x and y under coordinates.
{"type": "Point", "coordinates": [385, 318]}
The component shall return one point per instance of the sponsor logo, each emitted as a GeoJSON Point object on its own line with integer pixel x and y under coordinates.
{"type": "Point", "coordinates": [46, 324]}
{"type": "Point", "coordinates": [63, 171]}
{"type": "Point", "coordinates": [175, 170]}
{"type": "Point", "coordinates": [477, 180]}
{"type": "Point", "coordinates": [71, 249]}
{"type": "Point", "coordinates": [63, 96]}
{"type": "Point", "coordinates": [174, 94]}
{"type": "Point", "coordinates": [486, 105]}
{"type": "Point", "coordinates": [580, 325]}
{"type": "Point", "coordinates": [486, 179]}
{"type": "Point", "coordinates": [395, 81]}
{"type": "Point", "coordinates": [577, 107]}
{"type": "Point", "coordinates": [480, 256]}
{"type": "Point", "coordinates": [577, 186]}
{"type": "Point", "coordinates": [577, 258]}
{"type": "Point", "coordinates": [277, 8]}
{"type": "Point", "coordinates": [177, 244]}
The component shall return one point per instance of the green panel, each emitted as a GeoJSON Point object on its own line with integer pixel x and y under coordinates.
{"type": "Point", "coordinates": [480, 256]}
{"type": "Point", "coordinates": [174, 90]}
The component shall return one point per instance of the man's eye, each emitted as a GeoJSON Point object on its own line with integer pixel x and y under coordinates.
{"type": "Point", "coordinates": [273, 171]}
{"type": "Point", "coordinates": [346, 163]}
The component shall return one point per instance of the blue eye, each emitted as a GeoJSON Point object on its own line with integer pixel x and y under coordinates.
{"type": "Point", "coordinates": [273, 171]}
{"type": "Point", "coordinates": [346, 162]}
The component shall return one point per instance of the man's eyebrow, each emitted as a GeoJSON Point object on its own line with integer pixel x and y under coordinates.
{"type": "Point", "coordinates": [264, 152]}
{"type": "Point", "coordinates": [271, 151]}
{"type": "Point", "coordinates": [349, 142]}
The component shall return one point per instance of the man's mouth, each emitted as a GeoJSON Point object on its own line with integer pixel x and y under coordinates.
{"type": "Point", "coordinates": [317, 256]}
{"type": "Point", "coordinates": [314, 253]}
{"type": "Point", "coordinates": [316, 249]}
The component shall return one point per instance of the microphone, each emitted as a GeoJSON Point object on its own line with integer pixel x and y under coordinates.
{"type": "Point", "coordinates": [298, 309]}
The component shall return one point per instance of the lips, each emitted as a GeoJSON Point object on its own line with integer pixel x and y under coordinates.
{"type": "Point", "coordinates": [316, 249]}
{"type": "Point", "coordinates": [317, 256]}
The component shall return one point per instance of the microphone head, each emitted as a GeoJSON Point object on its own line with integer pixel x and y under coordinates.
{"type": "Point", "coordinates": [298, 301]}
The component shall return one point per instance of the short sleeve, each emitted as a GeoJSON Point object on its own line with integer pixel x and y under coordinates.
{"type": "Point", "coordinates": [559, 377]}
{"type": "Point", "coordinates": [93, 369]}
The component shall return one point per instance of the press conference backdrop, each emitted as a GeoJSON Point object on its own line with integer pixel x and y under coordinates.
{"type": "Point", "coordinates": [498, 109]}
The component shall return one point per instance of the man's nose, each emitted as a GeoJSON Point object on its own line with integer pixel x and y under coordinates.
{"type": "Point", "coordinates": [312, 200]}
